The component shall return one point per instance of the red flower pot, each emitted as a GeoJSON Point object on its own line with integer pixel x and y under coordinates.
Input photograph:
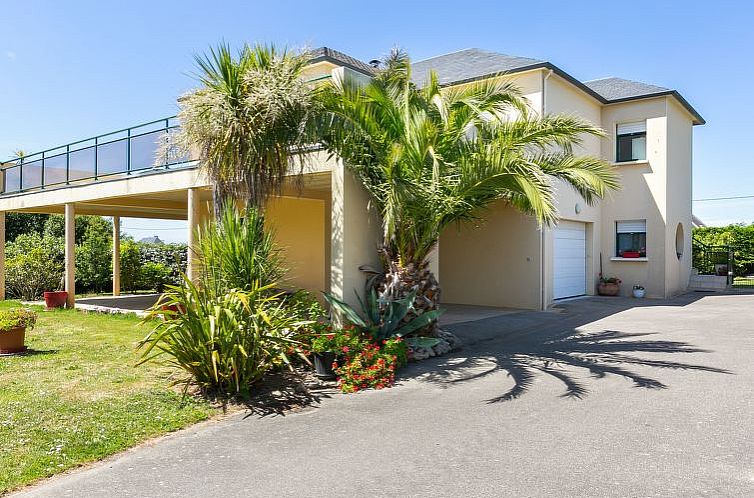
{"type": "Point", "coordinates": [631, 254]}
{"type": "Point", "coordinates": [55, 299]}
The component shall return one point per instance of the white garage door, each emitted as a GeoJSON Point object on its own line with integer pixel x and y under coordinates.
{"type": "Point", "coordinates": [569, 260]}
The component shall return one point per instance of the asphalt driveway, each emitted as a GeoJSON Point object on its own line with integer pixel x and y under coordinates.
{"type": "Point", "coordinates": [599, 398]}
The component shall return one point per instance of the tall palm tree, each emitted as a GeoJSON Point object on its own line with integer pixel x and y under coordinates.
{"type": "Point", "coordinates": [247, 120]}
{"type": "Point", "coordinates": [431, 156]}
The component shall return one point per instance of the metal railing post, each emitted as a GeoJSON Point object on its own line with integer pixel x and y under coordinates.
{"type": "Point", "coordinates": [67, 164]}
{"type": "Point", "coordinates": [42, 179]}
{"type": "Point", "coordinates": [21, 175]}
{"type": "Point", "coordinates": [96, 147]}
{"type": "Point", "coordinates": [128, 152]}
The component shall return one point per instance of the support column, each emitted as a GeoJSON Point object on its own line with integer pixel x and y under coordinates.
{"type": "Point", "coordinates": [356, 234]}
{"type": "Point", "coordinates": [2, 256]}
{"type": "Point", "coordinates": [116, 255]}
{"type": "Point", "coordinates": [194, 216]}
{"type": "Point", "coordinates": [70, 254]}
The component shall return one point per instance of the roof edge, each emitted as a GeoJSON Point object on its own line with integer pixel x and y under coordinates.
{"type": "Point", "coordinates": [698, 119]}
{"type": "Point", "coordinates": [331, 55]}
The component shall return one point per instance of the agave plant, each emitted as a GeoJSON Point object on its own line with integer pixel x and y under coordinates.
{"type": "Point", "coordinates": [384, 319]}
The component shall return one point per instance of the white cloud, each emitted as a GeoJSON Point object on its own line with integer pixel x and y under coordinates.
{"type": "Point", "coordinates": [10, 54]}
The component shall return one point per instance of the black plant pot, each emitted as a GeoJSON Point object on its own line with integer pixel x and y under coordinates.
{"type": "Point", "coordinates": [323, 365]}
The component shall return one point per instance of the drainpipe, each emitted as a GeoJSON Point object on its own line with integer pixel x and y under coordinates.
{"type": "Point", "coordinates": [542, 296]}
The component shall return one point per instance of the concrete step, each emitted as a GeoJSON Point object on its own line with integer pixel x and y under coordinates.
{"type": "Point", "coordinates": [708, 282]}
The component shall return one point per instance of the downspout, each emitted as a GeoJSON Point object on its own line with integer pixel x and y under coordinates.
{"type": "Point", "coordinates": [542, 297]}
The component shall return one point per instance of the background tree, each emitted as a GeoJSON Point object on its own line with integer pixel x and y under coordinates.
{"type": "Point", "coordinates": [247, 120]}
{"type": "Point", "coordinates": [740, 236]}
{"type": "Point", "coordinates": [431, 157]}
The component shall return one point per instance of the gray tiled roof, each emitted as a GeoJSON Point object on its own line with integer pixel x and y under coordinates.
{"type": "Point", "coordinates": [473, 63]}
{"type": "Point", "coordinates": [326, 53]}
{"type": "Point", "coordinates": [618, 88]}
{"type": "Point", "coordinates": [468, 64]}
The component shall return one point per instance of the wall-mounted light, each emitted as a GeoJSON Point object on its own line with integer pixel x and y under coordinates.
{"type": "Point", "coordinates": [577, 208]}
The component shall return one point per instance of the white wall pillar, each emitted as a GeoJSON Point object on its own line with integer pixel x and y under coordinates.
{"type": "Point", "coordinates": [356, 233]}
{"type": "Point", "coordinates": [194, 216]}
{"type": "Point", "coordinates": [116, 255]}
{"type": "Point", "coordinates": [70, 254]}
{"type": "Point", "coordinates": [2, 256]}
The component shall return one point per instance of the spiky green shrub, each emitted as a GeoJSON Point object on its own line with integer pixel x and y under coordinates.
{"type": "Point", "coordinates": [225, 341]}
{"type": "Point", "coordinates": [230, 328]}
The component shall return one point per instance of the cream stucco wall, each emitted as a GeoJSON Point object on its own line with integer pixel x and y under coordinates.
{"type": "Point", "coordinates": [299, 227]}
{"type": "Point", "coordinates": [561, 97]}
{"type": "Point", "coordinates": [495, 262]}
{"type": "Point", "coordinates": [678, 200]}
{"type": "Point", "coordinates": [643, 195]}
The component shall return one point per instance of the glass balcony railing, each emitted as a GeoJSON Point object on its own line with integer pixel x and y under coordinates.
{"type": "Point", "coordinates": [149, 146]}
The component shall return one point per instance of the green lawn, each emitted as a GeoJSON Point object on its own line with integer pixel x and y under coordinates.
{"type": "Point", "coordinates": [77, 397]}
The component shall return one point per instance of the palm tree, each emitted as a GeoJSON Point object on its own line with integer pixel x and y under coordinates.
{"type": "Point", "coordinates": [248, 120]}
{"type": "Point", "coordinates": [430, 157]}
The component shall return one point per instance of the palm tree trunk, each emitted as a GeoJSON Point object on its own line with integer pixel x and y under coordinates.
{"type": "Point", "coordinates": [399, 280]}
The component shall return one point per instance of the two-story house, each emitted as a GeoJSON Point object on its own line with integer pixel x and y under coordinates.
{"type": "Point", "coordinates": [640, 234]}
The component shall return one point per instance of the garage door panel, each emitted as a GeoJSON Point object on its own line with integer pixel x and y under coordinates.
{"type": "Point", "coordinates": [569, 260]}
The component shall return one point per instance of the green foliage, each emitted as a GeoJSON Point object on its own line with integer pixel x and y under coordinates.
{"type": "Point", "coordinates": [304, 305]}
{"type": "Point", "coordinates": [383, 320]}
{"type": "Point", "coordinates": [33, 264]}
{"type": "Point", "coordinates": [173, 256]}
{"type": "Point", "coordinates": [94, 255]}
{"type": "Point", "coordinates": [739, 236]}
{"type": "Point", "coordinates": [22, 223]}
{"type": "Point", "coordinates": [434, 156]}
{"type": "Point", "coordinates": [224, 340]}
{"type": "Point", "coordinates": [17, 317]}
{"type": "Point", "coordinates": [329, 339]}
{"type": "Point", "coordinates": [232, 327]}
{"type": "Point", "coordinates": [155, 276]}
{"type": "Point", "coordinates": [247, 118]}
{"type": "Point", "coordinates": [130, 265]}
{"type": "Point", "coordinates": [239, 251]}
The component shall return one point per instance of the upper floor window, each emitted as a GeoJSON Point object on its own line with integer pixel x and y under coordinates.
{"type": "Point", "coordinates": [631, 239]}
{"type": "Point", "coordinates": [632, 142]}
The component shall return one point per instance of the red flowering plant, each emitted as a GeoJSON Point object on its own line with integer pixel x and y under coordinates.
{"type": "Point", "coordinates": [372, 366]}
{"type": "Point", "coordinates": [327, 338]}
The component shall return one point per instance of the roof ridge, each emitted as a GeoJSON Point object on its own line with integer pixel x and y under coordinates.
{"type": "Point", "coordinates": [451, 53]}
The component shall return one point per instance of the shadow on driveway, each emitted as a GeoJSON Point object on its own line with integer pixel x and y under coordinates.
{"type": "Point", "coordinates": [526, 344]}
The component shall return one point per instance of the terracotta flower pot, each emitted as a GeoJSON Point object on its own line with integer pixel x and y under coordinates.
{"type": "Point", "coordinates": [55, 299]}
{"type": "Point", "coordinates": [12, 341]}
{"type": "Point", "coordinates": [608, 289]}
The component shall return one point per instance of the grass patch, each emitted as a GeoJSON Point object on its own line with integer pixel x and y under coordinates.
{"type": "Point", "coordinates": [743, 282]}
{"type": "Point", "coordinates": [77, 396]}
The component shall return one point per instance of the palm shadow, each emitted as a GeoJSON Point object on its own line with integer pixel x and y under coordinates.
{"type": "Point", "coordinates": [557, 354]}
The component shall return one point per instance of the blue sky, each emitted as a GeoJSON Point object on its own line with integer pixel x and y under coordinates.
{"type": "Point", "coordinates": [69, 70]}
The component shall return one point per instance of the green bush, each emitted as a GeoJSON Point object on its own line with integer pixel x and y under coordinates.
{"type": "Point", "coordinates": [130, 265]}
{"type": "Point", "coordinates": [225, 337]}
{"type": "Point", "coordinates": [94, 256]}
{"type": "Point", "coordinates": [739, 236]}
{"type": "Point", "coordinates": [33, 264]}
{"type": "Point", "coordinates": [240, 250]}
{"type": "Point", "coordinates": [154, 276]}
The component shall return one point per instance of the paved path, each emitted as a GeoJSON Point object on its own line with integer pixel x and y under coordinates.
{"type": "Point", "coordinates": [652, 418]}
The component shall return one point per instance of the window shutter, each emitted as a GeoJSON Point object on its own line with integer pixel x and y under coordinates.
{"type": "Point", "coordinates": [629, 128]}
{"type": "Point", "coordinates": [635, 226]}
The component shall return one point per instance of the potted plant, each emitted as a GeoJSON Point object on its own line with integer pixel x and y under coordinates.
{"type": "Point", "coordinates": [55, 299]}
{"type": "Point", "coordinates": [608, 286]}
{"type": "Point", "coordinates": [639, 291]}
{"type": "Point", "coordinates": [631, 254]}
{"type": "Point", "coordinates": [13, 325]}
{"type": "Point", "coordinates": [328, 345]}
